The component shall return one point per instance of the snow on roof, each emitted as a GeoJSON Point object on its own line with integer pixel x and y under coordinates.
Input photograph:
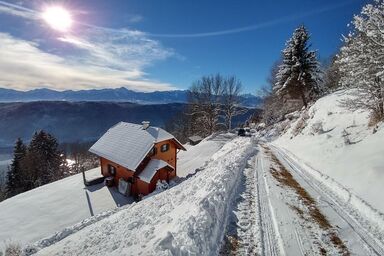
{"type": "Point", "coordinates": [151, 169]}
{"type": "Point", "coordinates": [195, 138]}
{"type": "Point", "coordinates": [127, 144]}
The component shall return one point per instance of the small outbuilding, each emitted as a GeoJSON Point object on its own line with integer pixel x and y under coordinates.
{"type": "Point", "coordinates": [137, 156]}
{"type": "Point", "coordinates": [194, 140]}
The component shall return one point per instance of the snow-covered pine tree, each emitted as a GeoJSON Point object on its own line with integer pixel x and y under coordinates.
{"type": "Point", "coordinates": [299, 75]}
{"type": "Point", "coordinates": [331, 79]}
{"type": "Point", "coordinates": [361, 60]}
{"type": "Point", "coordinates": [14, 183]}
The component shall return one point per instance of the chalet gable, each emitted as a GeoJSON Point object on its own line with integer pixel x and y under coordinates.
{"type": "Point", "coordinates": [128, 144]}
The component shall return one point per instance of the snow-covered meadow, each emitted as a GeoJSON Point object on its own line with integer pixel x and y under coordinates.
{"type": "Point", "coordinates": [43, 211]}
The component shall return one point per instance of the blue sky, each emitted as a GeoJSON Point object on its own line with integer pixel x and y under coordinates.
{"type": "Point", "coordinates": [159, 45]}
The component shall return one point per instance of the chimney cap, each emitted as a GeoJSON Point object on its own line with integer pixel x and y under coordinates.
{"type": "Point", "coordinates": [145, 124]}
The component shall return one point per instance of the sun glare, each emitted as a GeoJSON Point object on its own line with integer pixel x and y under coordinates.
{"type": "Point", "coordinates": [58, 18]}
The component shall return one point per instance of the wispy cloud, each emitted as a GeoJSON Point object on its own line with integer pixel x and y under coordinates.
{"type": "Point", "coordinates": [257, 26]}
{"type": "Point", "coordinates": [17, 10]}
{"type": "Point", "coordinates": [24, 66]}
{"type": "Point", "coordinates": [103, 58]}
{"type": "Point", "coordinates": [134, 18]}
{"type": "Point", "coordinates": [123, 51]}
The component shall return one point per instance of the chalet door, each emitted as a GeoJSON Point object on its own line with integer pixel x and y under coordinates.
{"type": "Point", "coordinates": [124, 187]}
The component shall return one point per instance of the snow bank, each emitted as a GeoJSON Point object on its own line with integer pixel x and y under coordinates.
{"type": "Point", "coordinates": [339, 144]}
{"type": "Point", "coordinates": [187, 219]}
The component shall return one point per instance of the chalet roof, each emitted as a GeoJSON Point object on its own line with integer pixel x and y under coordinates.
{"type": "Point", "coordinates": [152, 167]}
{"type": "Point", "coordinates": [127, 144]}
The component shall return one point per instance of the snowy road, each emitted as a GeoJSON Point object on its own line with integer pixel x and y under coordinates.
{"type": "Point", "coordinates": [283, 210]}
{"type": "Point", "coordinates": [360, 237]}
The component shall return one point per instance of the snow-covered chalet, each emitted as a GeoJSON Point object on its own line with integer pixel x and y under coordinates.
{"type": "Point", "coordinates": [137, 156]}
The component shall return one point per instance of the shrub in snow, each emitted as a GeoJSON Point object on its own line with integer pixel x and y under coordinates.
{"type": "Point", "coordinates": [293, 115]}
{"type": "Point", "coordinates": [346, 135]}
{"type": "Point", "coordinates": [317, 128]}
{"type": "Point", "coordinates": [12, 249]}
{"type": "Point", "coordinates": [260, 126]}
{"type": "Point", "coordinates": [283, 126]}
{"type": "Point", "coordinates": [300, 124]}
{"type": "Point", "coordinates": [374, 119]}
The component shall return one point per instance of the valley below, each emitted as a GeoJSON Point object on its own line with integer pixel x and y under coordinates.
{"type": "Point", "coordinates": [80, 121]}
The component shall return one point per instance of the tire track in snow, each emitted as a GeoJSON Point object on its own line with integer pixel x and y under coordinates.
{"type": "Point", "coordinates": [295, 234]}
{"type": "Point", "coordinates": [272, 243]}
{"type": "Point", "coordinates": [367, 240]}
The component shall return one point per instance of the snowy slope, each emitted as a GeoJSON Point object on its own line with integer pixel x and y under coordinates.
{"type": "Point", "coordinates": [339, 144]}
{"type": "Point", "coordinates": [186, 219]}
{"type": "Point", "coordinates": [47, 209]}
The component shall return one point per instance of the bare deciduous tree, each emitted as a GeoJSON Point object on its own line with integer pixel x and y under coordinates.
{"type": "Point", "coordinates": [231, 100]}
{"type": "Point", "coordinates": [204, 102]}
{"type": "Point", "coordinates": [213, 102]}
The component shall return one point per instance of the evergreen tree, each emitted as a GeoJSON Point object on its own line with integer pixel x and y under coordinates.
{"type": "Point", "coordinates": [44, 161]}
{"type": "Point", "coordinates": [332, 75]}
{"type": "Point", "coordinates": [299, 75]}
{"type": "Point", "coordinates": [15, 182]}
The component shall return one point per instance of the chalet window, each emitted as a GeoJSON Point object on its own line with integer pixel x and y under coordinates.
{"type": "Point", "coordinates": [111, 170]}
{"type": "Point", "coordinates": [152, 152]}
{"type": "Point", "coordinates": [165, 147]}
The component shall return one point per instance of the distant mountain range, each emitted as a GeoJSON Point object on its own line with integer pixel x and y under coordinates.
{"type": "Point", "coordinates": [117, 95]}
{"type": "Point", "coordinates": [81, 121]}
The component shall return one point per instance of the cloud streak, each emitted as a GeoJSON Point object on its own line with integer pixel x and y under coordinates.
{"type": "Point", "coordinates": [254, 26]}
{"type": "Point", "coordinates": [18, 10]}
{"type": "Point", "coordinates": [24, 66]}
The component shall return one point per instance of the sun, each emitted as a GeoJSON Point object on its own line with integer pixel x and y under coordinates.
{"type": "Point", "coordinates": [58, 18]}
